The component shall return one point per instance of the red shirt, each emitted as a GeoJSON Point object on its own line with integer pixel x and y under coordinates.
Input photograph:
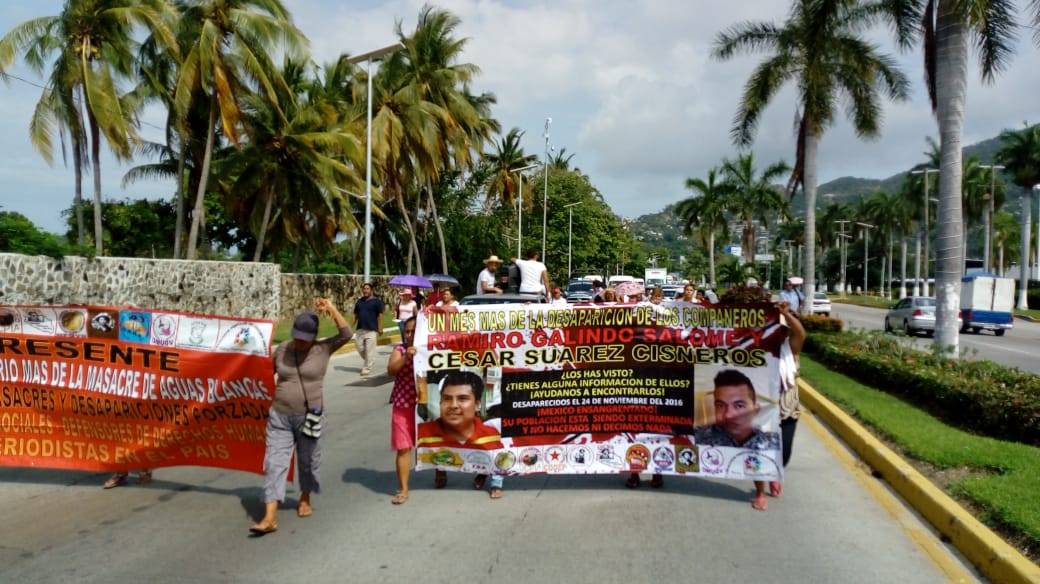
{"type": "Point", "coordinates": [484, 437]}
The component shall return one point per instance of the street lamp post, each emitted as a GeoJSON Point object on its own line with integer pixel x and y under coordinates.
{"type": "Point", "coordinates": [368, 57]}
{"type": "Point", "coordinates": [545, 194]}
{"type": "Point", "coordinates": [925, 237]}
{"type": "Point", "coordinates": [991, 196]}
{"type": "Point", "coordinates": [841, 254]}
{"type": "Point", "coordinates": [866, 252]}
{"type": "Point", "coordinates": [520, 208]}
{"type": "Point", "coordinates": [570, 224]}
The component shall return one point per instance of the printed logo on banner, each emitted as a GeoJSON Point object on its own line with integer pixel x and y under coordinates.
{"type": "Point", "coordinates": [244, 337]}
{"type": "Point", "coordinates": [555, 459]}
{"type": "Point", "coordinates": [687, 460]}
{"type": "Point", "coordinates": [664, 458]}
{"type": "Point", "coordinates": [164, 330]}
{"type": "Point", "coordinates": [530, 457]}
{"type": "Point", "coordinates": [197, 333]}
{"type": "Point", "coordinates": [712, 461]}
{"type": "Point", "coordinates": [72, 322]}
{"type": "Point", "coordinates": [606, 456]}
{"type": "Point", "coordinates": [753, 464]}
{"type": "Point", "coordinates": [38, 321]}
{"type": "Point", "coordinates": [478, 462]}
{"type": "Point", "coordinates": [103, 324]}
{"type": "Point", "coordinates": [638, 457]}
{"type": "Point", "coordinates": [580, 456]}
{"type": "Point", "coordinates": [505, 460]}
{"type": "Point", "coordinates": [9, 321]}
{"type": "Point", "coordinates": [134, 325]}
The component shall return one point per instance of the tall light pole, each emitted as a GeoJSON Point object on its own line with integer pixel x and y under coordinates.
{"type": "Point", "coordinates": [570, 224]}
{"type": "Point", "coordinates": [545, 194]}
{"type": "Point", "coordinates": [1036, 274]}
{"type": "Point", "coordinates": [841, 254]}
{"type": "Point", "coordinates": [369, 57]}
{"type": "Point", "coordinates": [520, 208]}
{"type": "Point", "coordinates": [1027, 209]}
{"type": "Point", "coordinates": [866, 252]}
{"type": "Point", "coordinates": [992, 195]}
{"type": "Point", "coordinates": [925, 171]}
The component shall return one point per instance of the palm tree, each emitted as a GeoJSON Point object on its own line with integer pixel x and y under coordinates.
{"type": "Point", "coordinates": [508, 155]}
{"type": "Point", "coordinates": [1020, 153]}
{"type": "Point", "coordinates": [946, 28]}
{"type": "Point", "coordinates": [753, 198]}
{"type": "Point", "coordinates": [705, 211]}
{"type": "Point", "coordinates": [819, 49]}
{"type": "Point", "coordinates": [230, 52]}
{"type": "Point", "coordinates": [96, 49]}
{"type": "Point", "coordinates": [560, 161]}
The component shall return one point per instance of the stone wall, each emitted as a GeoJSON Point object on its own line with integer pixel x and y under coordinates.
{"type": "Point", "coordinates": [245, 289]}
{"type": "Point", "coordinates": [250, 290]}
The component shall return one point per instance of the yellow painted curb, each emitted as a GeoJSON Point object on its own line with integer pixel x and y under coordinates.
{"type": "Point", "coordinates": [994, 557]}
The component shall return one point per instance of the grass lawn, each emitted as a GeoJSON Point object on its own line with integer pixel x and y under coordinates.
{"type": "Point", "coordinates": [997, 481]}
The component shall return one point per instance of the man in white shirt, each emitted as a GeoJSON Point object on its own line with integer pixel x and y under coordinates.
{"type": "Point", "coordinates": [557, 298]}
{"type": "Point", "coordinates": [486, 283]}
{"type": "Point", "coordinates": [792, 296]}
{"type": "Point", "coordinates": [534, 277]}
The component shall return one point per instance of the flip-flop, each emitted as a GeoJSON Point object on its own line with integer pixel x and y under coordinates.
{"type": "Point", "coordinates": [495, 493]}
{"type": "Point", "coordinates": [304, 510]}
{"type": "Point", "coordinates": [144, 477]}
{"type": "Point", "coordinates": [633, 481]}
{"type": "Point", "coordinates": [399, 498]}
{"type": "Point", "coordinates": [776, 488]}
{"type": "Point", "coordinates": [760, 503]}
{"type": "Point", "coordinates": [263, 529]}
{"type": "Point", "coordinates": [116, 480]}
{"type": "Point", "coordinates": [479, 481]}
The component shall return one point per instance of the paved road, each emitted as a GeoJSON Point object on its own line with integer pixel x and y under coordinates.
{"type": "Point", "coordinates": [834, 523]}
{"type": "Point", "coordinates": [1017, 348]}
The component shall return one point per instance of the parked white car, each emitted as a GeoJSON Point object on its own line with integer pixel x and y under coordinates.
{"type": "Point", "coordinates": [821, 304]}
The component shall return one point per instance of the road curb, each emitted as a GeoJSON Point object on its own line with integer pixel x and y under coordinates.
{"type": "Point", "coordinates": [994, 557]}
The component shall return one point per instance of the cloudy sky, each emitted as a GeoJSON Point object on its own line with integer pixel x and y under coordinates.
{"type": "Point", "coordinates": [629, 85]}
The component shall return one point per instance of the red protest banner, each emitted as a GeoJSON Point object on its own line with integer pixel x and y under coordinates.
{"type": "Point", "coordinates": [103, 388]}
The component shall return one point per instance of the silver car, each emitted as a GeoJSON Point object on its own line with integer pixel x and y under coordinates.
{"type": "Point", "coordinates": [913, 314]}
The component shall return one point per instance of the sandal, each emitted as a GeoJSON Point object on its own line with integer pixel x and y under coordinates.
{"type": "Point", "coordinates": [262, 529]}
{"type": "Point", "coordinates": [495, 493]}
{"type": "Point", "coordinates": [117, 480]}
{"type": "Point", "coordinates": [479, 481]}
{"type": "Point", "coordinates": [657, 481]}
{"type": "Point", "coordinates": [760, 503]}
{"type": "Point", "coordinates": [440, 479]}
{"type": "Point", "coordinates": [144, 477]}
{"type": "Point", "coordinates": [776, 488]}
{"type": "Point", "coordinates": [304, 510]}
{"type": "Point", "coordinates": [633, 481]}
{"type": "Point", "coordinates": [399, 498]}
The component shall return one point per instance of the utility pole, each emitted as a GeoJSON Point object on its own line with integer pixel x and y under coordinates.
{"type": "Point", "coordinates": [990, 196]}
{"type": "Point", "coordinates": [841, 253]}
{"type": "Point", "coordinates": [924, 285]}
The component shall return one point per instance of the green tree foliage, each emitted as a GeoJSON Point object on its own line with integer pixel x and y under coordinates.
{"type": "Point", "coordinates": [134, 228]}
{"type": "Point", "coordinates": [19, 235]}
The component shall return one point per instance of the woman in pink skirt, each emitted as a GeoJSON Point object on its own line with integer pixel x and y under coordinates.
{"type": "Point", "coordinates": [403, 397]}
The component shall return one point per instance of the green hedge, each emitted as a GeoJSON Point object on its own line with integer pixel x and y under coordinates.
{"type": "Point", "coordinates": [977, 395]}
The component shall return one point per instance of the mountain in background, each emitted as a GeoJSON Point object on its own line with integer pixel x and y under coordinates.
{"type": "Point", "coordinates": [664, 229]}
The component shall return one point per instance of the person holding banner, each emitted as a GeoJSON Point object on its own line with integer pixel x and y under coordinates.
{"type": "Point", "coordinates": [297, 412]}
{"type": "Point", "coordinates": [403, 397]}
{"type": "Point", "coordinates": [794, 338]}
{"type": "Point", "coordinates": [460, 427]}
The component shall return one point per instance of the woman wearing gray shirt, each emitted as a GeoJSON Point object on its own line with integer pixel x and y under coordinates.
{"type": "Point", "coordinates": [299, 367]}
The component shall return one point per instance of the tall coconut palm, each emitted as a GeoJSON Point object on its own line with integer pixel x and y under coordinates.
{"type": "Point", "coordinates": [819, 49]}
{"type": "Point", "coordinates": [95, 46]}
{"type": "Point", "coordinates": [232, 51]}
{"type": "Point", "coordinates": [508, 155]}
{"type": "Point", "coordinates": [946, 28]}
{"type": "Point", "coordinates": [753, 198]}
{"type": "Point", "coordinates": [1020, 153]}
{"type": "Point", "coordinates": [705, 211]}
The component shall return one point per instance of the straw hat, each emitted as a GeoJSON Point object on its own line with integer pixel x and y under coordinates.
{"type": "Point", "coordinates": [493, 259]}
